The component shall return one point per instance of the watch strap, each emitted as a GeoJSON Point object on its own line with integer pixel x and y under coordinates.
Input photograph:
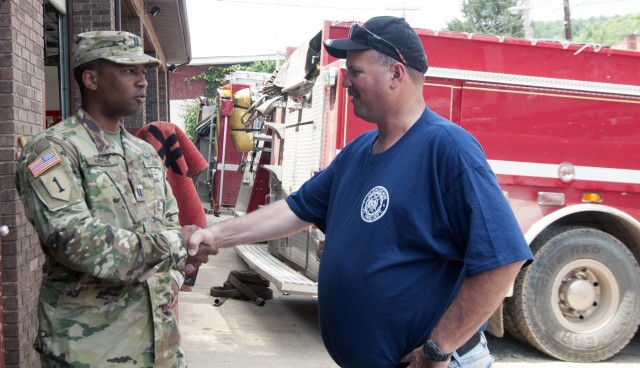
{"type": "Point", "coordinates": [433, 352]}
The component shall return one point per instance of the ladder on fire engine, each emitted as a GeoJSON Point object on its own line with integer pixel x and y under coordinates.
{"type": "Point", "coordinates": [285, 278]}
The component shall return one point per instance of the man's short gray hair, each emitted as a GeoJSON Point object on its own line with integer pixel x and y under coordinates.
{"type": "Point", "coordinates": [387, 61]}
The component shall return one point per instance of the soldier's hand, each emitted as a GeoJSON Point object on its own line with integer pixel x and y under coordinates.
{"type": "Point", "coordinates": [174, 296]}
{"type": "Point", "coordinates": [186, 233]}
{"type": "Point", "coordinates": [199, 247]}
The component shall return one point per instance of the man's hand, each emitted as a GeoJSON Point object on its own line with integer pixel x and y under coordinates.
{"type": "Point", "coordinates": [174, 296]}
{"type": "Point", "coordinates": [200, 246]}
{"type": "Point", "coordinates": [186, 233]}
{"type": "Point", "coordinates": [416, 359]}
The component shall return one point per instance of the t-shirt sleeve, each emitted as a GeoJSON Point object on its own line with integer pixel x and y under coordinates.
{"type": "Point", "coordinates": [486, 228]}
{"type": "Point", "coordinates": [310, 202]}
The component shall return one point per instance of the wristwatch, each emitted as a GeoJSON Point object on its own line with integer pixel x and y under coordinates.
{"type": "Point", "coordinates": [433, 353]}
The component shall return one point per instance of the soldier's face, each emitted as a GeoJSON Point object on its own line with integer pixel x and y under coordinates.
{"type": "Point", "coordinates": [123, 89]}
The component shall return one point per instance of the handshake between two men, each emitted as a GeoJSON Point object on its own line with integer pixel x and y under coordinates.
{"type": "Point", "coordinates": [269, 222]}
{"type": "Point", "coordinates": [199, 248]}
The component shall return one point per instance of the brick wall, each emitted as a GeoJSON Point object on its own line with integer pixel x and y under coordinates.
{"type": "Point", "coordinates": [179, 89]}
{"type": "Point", "coordinates": [132, 123]}
{"type": "Point", "coordinates": [153, 107]}
{"type": "Point", "coordinates": [90, 15]}
{"type": "Point", "coordinates": [632, 41]}
{"type": "Point", "coordinates": [93, 15]}
{"type": "Point", "coordinates": [21, 114]}
{"type": "Point", "coordinates": [163, 96]}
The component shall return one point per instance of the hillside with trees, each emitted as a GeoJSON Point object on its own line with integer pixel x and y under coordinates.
{"type": "Point", "coordinates": [493, 17]}
{"type": "Point", "coordinates": [607, 31]}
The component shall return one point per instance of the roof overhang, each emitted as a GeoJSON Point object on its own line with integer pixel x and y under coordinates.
{"type": "Point", "coordinates": [167, 32]}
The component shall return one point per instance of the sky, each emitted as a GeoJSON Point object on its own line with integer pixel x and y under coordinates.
{"type": "Point", "coordinates": [235, 28]}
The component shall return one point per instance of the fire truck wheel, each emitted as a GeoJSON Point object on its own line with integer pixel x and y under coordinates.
{"type": "Point", "coordinates": [578, 301]}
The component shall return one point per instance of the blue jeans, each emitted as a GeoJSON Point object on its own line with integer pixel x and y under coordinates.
{"type": "Point", "coordinates": [478, 357]}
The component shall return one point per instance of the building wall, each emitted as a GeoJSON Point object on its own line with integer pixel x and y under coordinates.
{"type": "Point", "coordinates": [182, 90]}
{"type": "Point", "coordinates": [90, 15]}
{"type": "Point", "coordinates": [152, 105]}
{"type": "Point", "coordinates": [132, 123]}
{"type": "Point", "coordinates": [21, 114]}
{"type": "Point", "coordinates": [163, 96]}
{"type": "Point", "coordinates": [630, 42]}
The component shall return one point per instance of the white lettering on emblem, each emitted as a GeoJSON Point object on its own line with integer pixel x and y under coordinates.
{"type": "Point", "coordinates": [375, 204]}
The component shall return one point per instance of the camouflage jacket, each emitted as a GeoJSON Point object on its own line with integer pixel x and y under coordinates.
{"type": "Point", "coordinates": [108, 226]}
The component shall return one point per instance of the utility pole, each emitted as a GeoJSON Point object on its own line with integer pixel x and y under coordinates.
{"type": "Point", "coordinates": [404, 9]}
{"type": "Point", "coordinates": [567, 20]}
{"type": "Point", "coordinates": [525, 9]}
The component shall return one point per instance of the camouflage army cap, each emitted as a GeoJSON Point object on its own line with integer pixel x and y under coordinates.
{"type": "Point", "coordinates": [115, 46]}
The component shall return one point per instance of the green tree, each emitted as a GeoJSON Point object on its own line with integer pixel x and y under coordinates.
{"type": "Point", "coordinates": [606, 31]}
{"type": "Point", "coordinates": [191, 117]}
{"type": "Point", "coordinates": [488, 17]}
{"type": "Point", "coordinates": [214, 78]}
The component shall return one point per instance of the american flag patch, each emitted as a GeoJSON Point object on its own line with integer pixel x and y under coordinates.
{"type": "Point", "coordinates": [44, 162]}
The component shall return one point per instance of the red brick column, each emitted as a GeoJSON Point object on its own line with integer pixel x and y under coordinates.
{"type": "Point", "coordinates": [163, 98]}
{"type": "Point", "coordinates": [133, 123]}
{"type": "Point", "coordinates": [21, 114]}
{"type": "Point", "coordinates": [90, 15]}
{"type": "Point", "coordinates": [1, 331]}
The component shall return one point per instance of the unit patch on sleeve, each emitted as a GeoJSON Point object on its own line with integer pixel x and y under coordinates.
{"type": "Point", "coordinates": [44, 162]}
{"type": "Point", "coordinates": [57, 184]}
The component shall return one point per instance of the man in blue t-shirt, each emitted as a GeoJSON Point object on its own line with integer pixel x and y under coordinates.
{"type": "Point", "coordinates": [421, 246]}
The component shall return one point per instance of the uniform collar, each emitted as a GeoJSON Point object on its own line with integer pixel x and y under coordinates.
{"type": "Point", "coordinates": [102, 144]}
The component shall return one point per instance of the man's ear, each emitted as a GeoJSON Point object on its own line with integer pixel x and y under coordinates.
{"type": "Point", "coordinates": [398, 71]}
{"type": "Point", "coordinates": [90, 79]}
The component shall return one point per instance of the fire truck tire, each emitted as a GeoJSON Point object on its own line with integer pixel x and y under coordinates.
{"type": "Point", "coordinates": [579, 300]}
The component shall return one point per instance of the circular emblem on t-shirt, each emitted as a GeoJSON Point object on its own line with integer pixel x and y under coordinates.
{"type": "Point", "coordinates": [375, 204]}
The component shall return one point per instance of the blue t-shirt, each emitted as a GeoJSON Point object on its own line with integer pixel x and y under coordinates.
{"type": "Point", "coordinates": [403, 229]}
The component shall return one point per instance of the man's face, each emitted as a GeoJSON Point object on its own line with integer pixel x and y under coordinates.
{"type": "Point", "coordinates": [367, 83]}
{"type": "Point", "coordinates": [122, 89]}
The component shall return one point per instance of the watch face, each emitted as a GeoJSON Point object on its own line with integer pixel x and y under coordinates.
{"type": "Point", "coordinates": [433, 353]}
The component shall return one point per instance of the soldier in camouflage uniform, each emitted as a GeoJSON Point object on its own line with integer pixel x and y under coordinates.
{"type": "Point", "coordinates": [107, 221]}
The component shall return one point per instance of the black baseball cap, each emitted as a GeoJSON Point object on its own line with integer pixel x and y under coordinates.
{"type": "Point", "coordinates": [389, 35]}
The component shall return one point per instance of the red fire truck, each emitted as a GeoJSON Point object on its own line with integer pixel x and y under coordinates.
{"type": "Point", "coordinates": [560, 125]}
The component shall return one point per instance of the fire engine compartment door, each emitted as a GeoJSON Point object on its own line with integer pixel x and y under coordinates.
{"type": "Point", "coordinates": [539, 125]}
{"type": "Point", "coordinates": [443, 97]}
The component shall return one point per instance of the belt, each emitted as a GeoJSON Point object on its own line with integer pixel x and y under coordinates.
{"type": "Point", "coordinates": [469, 345]}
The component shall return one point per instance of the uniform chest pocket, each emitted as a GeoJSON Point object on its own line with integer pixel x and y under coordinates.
{"type": "Point", "coordinates": [148, 183]}
{"type": "Point", "coordinates": [105, 185]}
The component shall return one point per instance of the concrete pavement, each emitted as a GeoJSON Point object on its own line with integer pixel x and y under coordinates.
{"type": "Point", "coordinates": [283, 333]}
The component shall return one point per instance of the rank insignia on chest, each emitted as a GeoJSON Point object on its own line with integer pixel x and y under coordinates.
{"type": "Point", "coordinates": [44, 162]}
{"type": "Point", "coordinates": [139, 193]}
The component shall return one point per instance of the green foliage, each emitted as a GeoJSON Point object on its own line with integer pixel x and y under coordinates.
{"type": "Point", "coordinates": [552, 30]}
{"type": "Point", "coordinates": [599, 30]}
{"type": "Point", "coordinates": [214, 76]}
{"type": "Point", "coordinates": [488, 17]}
{"type": "Point", "coordinates": [191, 117]}
{"type": "Point", "coordinates": [493, 17]}
{"type": "Point", "coordinates": [264, 66]}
